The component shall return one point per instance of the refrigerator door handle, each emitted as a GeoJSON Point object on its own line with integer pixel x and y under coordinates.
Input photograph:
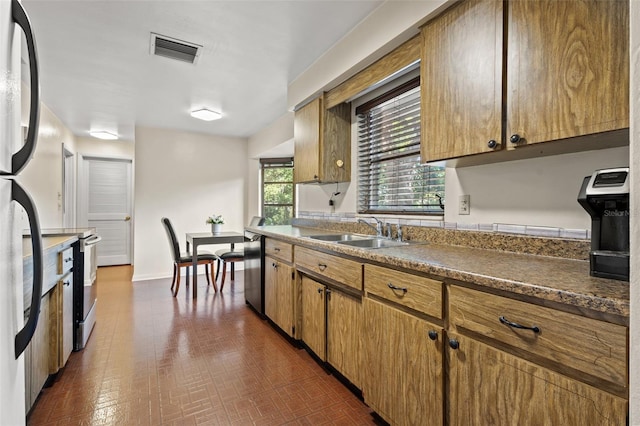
{"type": "Point", "coordinates": [20, 159]}
{"type": "Point", "coordinates": [24, 336]}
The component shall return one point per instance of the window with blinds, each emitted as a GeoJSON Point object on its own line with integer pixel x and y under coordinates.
{"type": "Point", "coordinates": [390, 176]}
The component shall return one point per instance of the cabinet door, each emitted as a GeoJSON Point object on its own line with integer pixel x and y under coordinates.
{"type": "Point", "coordinates": [270, 288]}
{"type": "Point", "coordinates": [285, 297]}
{"type": "Point", "coordinates": [344, 335]}
{"type": "Point", "coordinates": [461, 81]}
{"type": "Point", "coordinates": [66, 329]}
{"type": "Point", "coordinates": [313, 316]}
{"type": "Point", "coordinates": [41, 353]}
{"type": "Point", "coordinates": [307, 133]}
{"type": "Point", "coordinates": [488, 386]}
{"type": "Point", "coordinates": [27, 378]}
{"type": "Point", "coordinates": [278, 296]}
{"type": "Point", "coordinates": [568, 68]}
{"type": "Point", "coordinates": [403, 379]}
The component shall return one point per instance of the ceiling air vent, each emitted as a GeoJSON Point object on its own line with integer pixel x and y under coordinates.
{"type": "Point", "coordinates": [175, 49]}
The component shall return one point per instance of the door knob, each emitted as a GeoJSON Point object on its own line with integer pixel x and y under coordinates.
{"type": "Point", "coordinates": [127, 218]}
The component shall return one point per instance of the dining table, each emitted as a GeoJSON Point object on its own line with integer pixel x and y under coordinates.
{"type": "Point", "coordinates": [195, 239]}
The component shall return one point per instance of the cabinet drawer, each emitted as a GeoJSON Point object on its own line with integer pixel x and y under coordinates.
{"type": "Point", "coordinates": [413, 291]}
{"type": "Point", "coordinates": [279, 250]}
{"type": "Point", "coordinates": [65, 261]}
{"type": "Point", "coordinates": [347, 272]}
{"type": "Point", "coordinates": [594, 347]}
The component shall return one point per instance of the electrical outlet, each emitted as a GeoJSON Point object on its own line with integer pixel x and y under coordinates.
{"type": "Point", "coordinates": [465, 204]}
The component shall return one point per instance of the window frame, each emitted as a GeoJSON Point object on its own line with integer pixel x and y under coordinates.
{"type": "Point", "coordinates": [279, 162]}
{"type": "Point", "coordinates": [431, 209]}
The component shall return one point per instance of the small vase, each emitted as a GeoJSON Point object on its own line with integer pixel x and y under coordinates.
{"type": "Point", "coordinates": [216, 228]}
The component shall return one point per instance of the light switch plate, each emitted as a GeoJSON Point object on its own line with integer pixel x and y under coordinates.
{"type": "Point", "coordinates": [465, 204]}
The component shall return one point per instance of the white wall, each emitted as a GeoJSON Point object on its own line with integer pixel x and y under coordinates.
{"type": "Point", "coordinates": [86, 145]}
{"type": "Point", "coordinates": [540, 192]}
{"type": "Point", "coordinates": [634, 321]}
{"type": "Point", "coordinates": [42, 177]}
{"type": "Point", "coordinates": [387, 27]}
{"type": "Point", "coordinates": [185, 177]}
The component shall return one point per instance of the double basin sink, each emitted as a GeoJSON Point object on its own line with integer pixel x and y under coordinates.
{"type": "Point", "coordinates": [361, 241]}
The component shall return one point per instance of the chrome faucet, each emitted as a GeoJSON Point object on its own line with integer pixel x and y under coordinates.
{"type": "Point", "coordinates": [378, 227]}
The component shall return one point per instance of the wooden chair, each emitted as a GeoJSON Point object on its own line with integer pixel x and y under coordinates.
{"type": "Point", "coordinates": [181, 260]}
{"type": "Point", "coordinates": [230, 256]}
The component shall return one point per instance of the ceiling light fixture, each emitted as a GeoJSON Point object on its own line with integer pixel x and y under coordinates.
{"type": "Point", "coordinates": [101, 134]}
{"type": "Point", "coordinates": [206, 114]}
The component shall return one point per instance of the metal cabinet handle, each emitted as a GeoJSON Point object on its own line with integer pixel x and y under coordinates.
{"type": "Point", "coordinates": [322, 266]}
{"type": "Point", "coordinates": [454, 344]}
{"type": "Point", "coordinates": [66, 282]}
{"type": "Point", "coordinates": [68, 259]}
{"type": "Point", "coordinates": [394, 288]}
{"type": "Point", "coordinates": [433, 335]}
{"type": "Point", "coordinates": [24, 336]}
{"type": "Point", "coordinates": [505, 321]}
{"type": "Point", "coordinates": [20, 159]}
{"type": "Point", "coordinates": [276, 249]}
{"type": "Point", "coordinates": [320, 290]}
{"type": "Point", "coordinates": [275, 265]}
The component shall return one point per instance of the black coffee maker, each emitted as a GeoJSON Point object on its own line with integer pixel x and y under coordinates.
{"type": "Point", "coordinates": [605, 196]}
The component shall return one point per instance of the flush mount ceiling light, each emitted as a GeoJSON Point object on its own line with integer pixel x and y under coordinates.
{"type": "Point", "coordinates": [101, 134]}
{"type": "Point", "coordinates": [206, 114]}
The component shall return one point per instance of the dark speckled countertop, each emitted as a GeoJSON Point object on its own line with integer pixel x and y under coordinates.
{"type": "Point", "coordinates": [556, 282]}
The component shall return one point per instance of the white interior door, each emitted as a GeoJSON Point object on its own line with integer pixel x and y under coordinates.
{"type": "Point", "coordinates": [107, 203]}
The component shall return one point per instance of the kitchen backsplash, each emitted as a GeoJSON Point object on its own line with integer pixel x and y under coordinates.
{"type": "Point", "coordinates": [543, 241]}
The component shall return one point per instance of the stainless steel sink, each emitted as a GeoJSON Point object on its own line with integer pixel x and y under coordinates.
{"type": "Point", "coordinates": [373, 243]}
{"type": "Point", "coordinates": [338, 237]}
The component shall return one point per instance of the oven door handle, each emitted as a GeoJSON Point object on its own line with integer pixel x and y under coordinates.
{"type": "Point", "coordinates": [24, 336]}
{"type": "Point", "coordinates": [92, 240]}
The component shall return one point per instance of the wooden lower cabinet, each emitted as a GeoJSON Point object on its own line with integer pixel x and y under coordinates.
{"type": "Point", "coordinates": [279, 297]}
{"type": "Point", "coordinates": [331, 327]}
{"type": "Point", "coordinates": [344, 335]}
{"type": "Point", "coordinates": [403, 366]}
{"type": "Point", "coordinates": [491, 387]}
{"type": "Point", "coordinates": [314, 320]}
{"type": "Point", "coordinates": [37, 356]}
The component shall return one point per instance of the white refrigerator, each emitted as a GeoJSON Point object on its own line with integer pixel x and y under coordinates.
{"type": "Point", "coordinates": [16, 330]}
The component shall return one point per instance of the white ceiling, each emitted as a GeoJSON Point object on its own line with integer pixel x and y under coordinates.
{"type": "Point", "coordinates": [97, 73]}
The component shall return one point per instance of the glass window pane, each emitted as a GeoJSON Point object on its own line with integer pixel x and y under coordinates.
{"type": "Point", "coordinates": [284, 174]}
{"type": "Point", "coordinates": [278, 193]}
{"type": "Point", "coordinates": [278, 215]}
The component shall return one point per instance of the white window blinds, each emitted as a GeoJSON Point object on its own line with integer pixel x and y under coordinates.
{"type": "Point", "coordinates": [390, 176]}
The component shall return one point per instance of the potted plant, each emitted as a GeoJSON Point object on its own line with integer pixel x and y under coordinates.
{"type": "Point", "coordinates": [216, 222]}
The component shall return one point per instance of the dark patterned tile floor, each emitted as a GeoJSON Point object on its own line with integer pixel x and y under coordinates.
{"type": "Point", "coordinates": [153, 359]}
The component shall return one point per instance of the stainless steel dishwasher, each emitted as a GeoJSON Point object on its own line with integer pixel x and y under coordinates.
{"type": "Point", "coordinates": [254, 271]}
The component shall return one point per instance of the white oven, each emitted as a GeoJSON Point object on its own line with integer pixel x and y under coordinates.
{"type": "Point", "coordinates": [89, 252]}
{"type": "Point", "coordinates": [86, 293]}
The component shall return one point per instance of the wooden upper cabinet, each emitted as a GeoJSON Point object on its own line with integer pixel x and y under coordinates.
{"type": "Point", "coordinates": [461, 81]}
{"type": "Point", "coordinates": [516, 73]}
{"type": "Point", "coordinates": [322, 143]}
{"type": "Point", "coordinates": [568, 69]}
